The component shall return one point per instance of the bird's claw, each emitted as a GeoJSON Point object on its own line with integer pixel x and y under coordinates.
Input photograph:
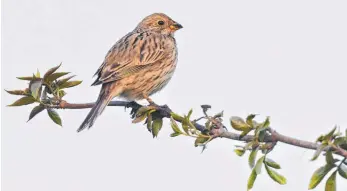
{"type": "Point", "coordinates": [134, 107]}
{"type": "Point", "coordinates": [132, 104]}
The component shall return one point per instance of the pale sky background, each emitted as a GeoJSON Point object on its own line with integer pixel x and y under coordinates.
{"type": "Point", "coordinates": [281, 59]}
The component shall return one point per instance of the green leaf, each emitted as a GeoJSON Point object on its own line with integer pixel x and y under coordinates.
{"type": "Point", "coordinates": [191, 125]}
{"type": "Point", "coordinates": [318, 151]}
{"type": "Point", "coordinates": [252, 157]}
{"type": "Point", "coordinates": [319, 174]}
{"type": "Point", "coordinates": [260, 131]}
{"type": "Point", "coordinates": [261, 135]}
{"type": "Point", "coordinates": [29, 78]}
{"type": "Point", "coordinates": [142, 113]}
{"type": "Point", "coordinates": [37, 75]}
{"type": "Point", "coordinates": [218, 115]}
{"type": "Point", "coordinates": [244, 133]}
{"type": "Point", "coordinates": [139, 118]}
{"type": "Point", "coordinates": [156, 126]}
{"type": "Point", "coordinates": [239, 124]}
{"type": "Point", "coordinates": [149, 122]}
{"type": "Point", "coordinates": [320, 138]}
{"type": "Point", "coordinates": [35, 87]}
{"type": "Point", "coordinates": [55, 76]}
{"type": "Point", "coordinates": [17, 92]}
{"type": "Point", "coordinates": [176, 116]}
{"type": "Point", "coordinates": [64, 80]}
{"type": "Point", "coordinates": [340, 141]}
{"type": "Point", "coordinates": [343, 171]}
{"type": "Point", "coordinates": [36, 110]}
{"type": "Point", "coordinates": [185, 126]}
{"type": "Point", "coordinates": [175, 127]}
{"type": "Point", "coordinates": [23, 101]}
{"type": "Point", "coordinates": [329, 157]}
{"type": "Point", "coordinates": [251, 179]}
{"type": "Point", "coordinates": [266, 123]}
{"type": "Point", "coordinates": [69, 84]}
{"type": "Point", "coordinates": [272, 163]}
{"type": "Point", "coordinates": [144, 110]}
{"type": "Point", "coordinates": [50, 72]}
{"type": "Point", "coordinates": [189, 113]}
{"type": "Point", "coordinates": [174, 134]}
{"type": "Point", "coordinates": [240, 152]}
{"type": "Point", "coordinates": [331, 133]}
{"type": "Point", "coordinates": [54, 116]}
{"type": "Point", "coordinates": [61, 93]}
{"type": "Point", "coordinates": [259, 164]}
{"type": "Point", "coordinates": [200, 141]}
{"type": "Point", "coordinates": [249, 119]}
{"type": "Point", "coordinates": [331, 183]}
{"type": "Point", "coordinates": [208, 125]}
{"type": "Point", "coordinates": [275, 176]}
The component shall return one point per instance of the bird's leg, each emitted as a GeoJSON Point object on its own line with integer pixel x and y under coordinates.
{"type": "Point", "coordinates": [150, 101]}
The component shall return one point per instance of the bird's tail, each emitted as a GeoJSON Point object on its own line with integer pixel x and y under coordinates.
{"type": "Point", "coordinates": [107, 93]}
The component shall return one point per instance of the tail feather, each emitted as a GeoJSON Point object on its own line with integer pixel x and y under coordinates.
{"type": "Point", "coordinates": [104, 98]}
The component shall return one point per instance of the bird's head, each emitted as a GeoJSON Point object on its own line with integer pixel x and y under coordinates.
{"type": "Point", "coordinates": [160, 23]}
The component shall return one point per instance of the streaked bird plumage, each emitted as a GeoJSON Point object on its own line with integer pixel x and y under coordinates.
{"type": "Point", "coordinates": [138, 65]}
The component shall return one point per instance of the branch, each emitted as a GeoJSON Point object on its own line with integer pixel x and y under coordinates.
{"type": "Point", "coordinates": [48, 92]}
{"type": "Point", "coordinates": [283, 139]}
{"type": "Point", "coordinates": [165, 111]}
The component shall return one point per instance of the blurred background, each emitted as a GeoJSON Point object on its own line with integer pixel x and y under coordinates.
{"type": "Point", "coordinates": [281, 59]}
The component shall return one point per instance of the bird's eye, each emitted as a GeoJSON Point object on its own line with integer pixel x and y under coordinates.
{"type": "Point", "coordinates": [160, 22]}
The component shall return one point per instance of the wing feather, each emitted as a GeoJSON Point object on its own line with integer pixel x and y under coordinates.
{"type": "Point", "coordinates": [131, 54]}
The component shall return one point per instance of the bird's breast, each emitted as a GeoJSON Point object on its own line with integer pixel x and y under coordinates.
{"type": "Point", "coordinates": [149, 81]}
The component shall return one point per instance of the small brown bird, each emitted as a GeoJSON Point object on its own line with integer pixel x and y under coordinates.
{"type": "Point", "coordinates": [138, 65]}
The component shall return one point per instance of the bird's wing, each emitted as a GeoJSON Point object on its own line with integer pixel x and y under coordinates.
{"type": "Point", "coordinates": [131, 54]}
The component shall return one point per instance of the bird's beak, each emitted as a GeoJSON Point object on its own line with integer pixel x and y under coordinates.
{"type": "Point", "coordinates": [175, 26]}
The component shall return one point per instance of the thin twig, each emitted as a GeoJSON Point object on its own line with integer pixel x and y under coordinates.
{"type": "Point", "coordinates": [166, 112]}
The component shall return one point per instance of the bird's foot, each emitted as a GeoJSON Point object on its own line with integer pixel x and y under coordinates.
{"type": "Point", "coordinates": [134, 107]}
{"type": "Point", "coordinates": [150, 101]}
{"type": "Point", "coordinates": [132, 104]}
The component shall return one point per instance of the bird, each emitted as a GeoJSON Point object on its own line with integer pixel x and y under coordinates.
{"type": "Point", "coordinates": [138, 65]}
